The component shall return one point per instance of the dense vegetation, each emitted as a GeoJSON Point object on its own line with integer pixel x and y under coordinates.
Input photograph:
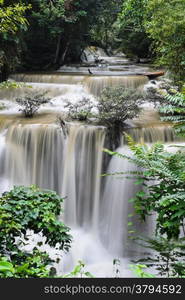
{"type": "Point", "coordinates": [45, 34]}
{"type": "Point", "coordinates": [21, 210]}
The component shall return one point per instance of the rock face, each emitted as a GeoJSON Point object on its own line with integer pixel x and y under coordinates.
{"type": "Point", "coordinates": [92, 54]}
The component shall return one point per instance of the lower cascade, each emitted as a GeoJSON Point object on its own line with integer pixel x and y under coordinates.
{"type": "Point", "coordinates": [96, 208]}
{"type": "Point", "coordinates": [70, 160]}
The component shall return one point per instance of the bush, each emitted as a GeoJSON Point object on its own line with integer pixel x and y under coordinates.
{"type": "Point", "coordinates": [117, 104]}
{"type": "Point", "coordinates": [30, 103]}
{"type": "Point", "coordinates": [81, 110]}
{"type": "Point", "coordinates": [29, 208]}
{"type": "Point", "coordinates": [25, 265]}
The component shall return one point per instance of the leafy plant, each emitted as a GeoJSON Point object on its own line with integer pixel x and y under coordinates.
{"type": "Point", "coordinates": [12, 84]}
{"type": "Point", "coordinates": [81, 110]}
{"type": "Point", "coordinates": [12, 16]}
{"type": "Point", "coordinates": [167, 256]}
{"type": "Point", "coordinates": [26, 265]}
{"type": "Point", "coordinates": [164, 23]}
{"type": "Point", "coordinates": [29, 208]}
{"type": "Point", "coordinates": [138, 270]}
{"type": "Point", "coordinates": [117, 104]}
{"type": "Point", "coordinates": [30, 103]}
{"type": "Point", "coordinates": [6, 268]}
{"type": "Point", "coordinates": [174, 111]}
{"type": "Point", "coordinates": [162, 176]}
{"type": "Point", "coordinates": [79, 271]}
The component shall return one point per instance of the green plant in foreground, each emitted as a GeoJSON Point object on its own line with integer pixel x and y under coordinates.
{"type": "Point", "coordinates": [167, 256]}
{"type": "Point", "coordinates": [174, 111]}
{"type": "Point", "coordinates": [29, 208]}
{"type": "Point", "coordinates": [162, 175]}
{"type": "Point", "coordinates": [79, 271]}
{"type": "Point", "coordinates": [138, 270]}
{"type": "Point", "coordinates": [25, 265]}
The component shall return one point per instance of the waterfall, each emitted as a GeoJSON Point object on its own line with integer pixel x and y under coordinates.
{"type": "Point", "coordinates": [118, 190]}
{"type": "Point", "coordinates": [82, 171]}
{"type": "Point", "coordinates": [95, 84]}
{"type": "Point", "coordinates": [37, 151]}
{"type": "Point", "coordinates": [33, 155]}
{"type": "Point", "coordinates": [95, 208]}
{"type": "Point", "coordinates": [92, 84]}
{"type": "Point", "coordinates": [72, 166]}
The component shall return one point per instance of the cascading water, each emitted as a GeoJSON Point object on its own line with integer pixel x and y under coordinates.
{"type": "Point", "coordinates": [92, 84]}
{"type": "Point", "coordinates": [38, 151]}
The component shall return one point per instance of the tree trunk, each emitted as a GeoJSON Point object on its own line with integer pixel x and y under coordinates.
{"type": "Point", "coordinates": [4, 73]}
{"type": "Point", "coordinates": [64, 54]}
{"type": "Point", "coordinates": [57, 49]}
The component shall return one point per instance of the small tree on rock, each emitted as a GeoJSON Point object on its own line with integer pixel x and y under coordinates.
{"type": "Point", "coordinates": [117, 104]}
{"type": "Point", "coordinates": [31, 102]}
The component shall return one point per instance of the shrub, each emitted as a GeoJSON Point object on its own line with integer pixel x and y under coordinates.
{"type": "Point", "coordinates": [117, 104]}
{"type": "Point", "coordinates": [31, 102]}
{"type": "Point", "coordinates": [29, 208]}
{"type": "Point", "coordinates": [81, 110]}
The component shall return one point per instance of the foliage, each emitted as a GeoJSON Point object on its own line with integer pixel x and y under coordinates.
{"type": "Point", "coordinates": [30, 208]}
{"type": "Point", "coordinates": [162, 176]}
{"type": "Point", "coordinates": [103, 30]}
{"type": "Point", "coordinates": [116, 267]}
{"type": "Point", "coordinates": [79, 272]}
{"type": "Point", "coordinates": [162, 173]}
{"type": "Point", "coordinates": [138, 270]}
{"type": "Point", "coordinates": [25, 265]}
{"type": "Point", "coordinates": [12, 84]}
{"type": "Point", "coordinates": [131, 30]}
{"type": "Point", "coordinates": [167, 257]}
{"type": "Point", "coordinates": [23, 209]}
{"type": "Point", "coordinates": [117, 104]}
{"type": "Point", "coordinates": [157, 26]}
{"type": "Point", "coordinates": [12, 17]}
{"type": "Point", "coordinates": [12, 23]}
{"type": "Point", "coordinates": [166, 28]}
{"type": "Point", "coordinates": [59, 29]}
{"type": "Point", "coordinates": [2, 106]}
{"type": "Point", "coordinates": [174, 111]}
{"type": "Point", "coordinates": [31, 102]}
{"type": "Point", "coordinates": [81, 111]}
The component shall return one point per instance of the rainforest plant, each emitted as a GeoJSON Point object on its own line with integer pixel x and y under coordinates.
{"type": "Point", "coordinates": [162, 175]}
{"type": "Point", "coordinates": [29, 208]}
{"type": "Point", "coordinates": [174, 111]}
{"type": "Point", "coordinates": [166, 256]}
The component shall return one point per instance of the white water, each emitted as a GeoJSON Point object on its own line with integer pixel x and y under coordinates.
{"type": "Point", "coordinates": [38, 152]}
